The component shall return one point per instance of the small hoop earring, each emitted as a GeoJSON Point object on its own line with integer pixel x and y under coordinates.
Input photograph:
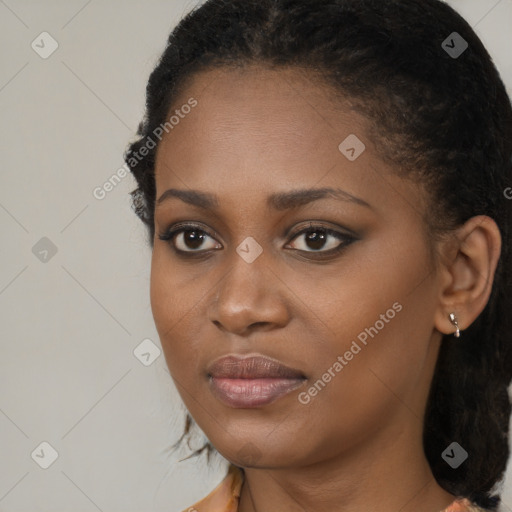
{"type": "Point", "coordinates": [453, 320]}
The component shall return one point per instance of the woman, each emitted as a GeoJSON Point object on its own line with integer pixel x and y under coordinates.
{"type": "Point", "coordinates": [324, 184]}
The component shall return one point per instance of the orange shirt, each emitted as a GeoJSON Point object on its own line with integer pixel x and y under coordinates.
{"type": "Point", "coordinates": [224, 498]}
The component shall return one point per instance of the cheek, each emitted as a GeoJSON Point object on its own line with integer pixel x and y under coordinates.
{"type": "Point", "coordinates": [163, 295]}
{"type": "Point", "coordinates": [381, 374]}
{"type": "Point", "coordinates": [171, 305]}
{"type": "Point", "coordinates": [173, 292]}
{"type": "Point", "coordinates": [379, 319]}
{"type": "Point", "coordinates": [179, 299]}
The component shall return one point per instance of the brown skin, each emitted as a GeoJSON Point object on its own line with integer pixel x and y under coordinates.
{"type": "Point", "coordinates": [357, 445]}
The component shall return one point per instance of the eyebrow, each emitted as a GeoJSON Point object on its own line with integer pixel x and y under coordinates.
{"type": "Point", "coordinates": [279, 201]}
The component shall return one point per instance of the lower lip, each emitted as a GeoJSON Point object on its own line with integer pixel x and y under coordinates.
{"type": "Point", "coordinates": [246, 393]}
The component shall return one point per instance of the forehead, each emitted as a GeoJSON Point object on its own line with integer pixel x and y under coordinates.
{"type": "Point", "coordinates": [256, 115]}
{"type": "Point", "coordinates": [287, 103]}
{"type": "Point", "coordinates": [257, 129]}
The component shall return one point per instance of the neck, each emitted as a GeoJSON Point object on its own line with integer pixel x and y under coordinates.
{"type": "Point", "coordinates": [389, 474]}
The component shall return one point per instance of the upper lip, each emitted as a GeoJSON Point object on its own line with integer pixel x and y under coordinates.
{"type": "Point", "coordinates": [251, 367]}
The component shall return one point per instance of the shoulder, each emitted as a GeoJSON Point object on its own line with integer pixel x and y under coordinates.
{"type": "Point", "coordinates": [464, 505]}
{"type": "Point", "coordinates": [224, 498]}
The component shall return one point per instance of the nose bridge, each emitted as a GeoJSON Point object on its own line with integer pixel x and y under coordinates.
{"type": "Point", "coordinates": [249, 293]}
{"type": "Point", "coordinates": [242, 288]}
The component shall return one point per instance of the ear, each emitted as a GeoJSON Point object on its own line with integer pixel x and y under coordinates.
{"type": "Point", "coordinates": [467, 273]}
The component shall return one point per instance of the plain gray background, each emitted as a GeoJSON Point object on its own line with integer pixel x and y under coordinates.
{"type": "Point", "coordinates": [75, 306]}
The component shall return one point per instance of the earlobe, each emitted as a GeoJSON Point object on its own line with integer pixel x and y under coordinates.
{"type": "Point", "coordinates": [469, 275]}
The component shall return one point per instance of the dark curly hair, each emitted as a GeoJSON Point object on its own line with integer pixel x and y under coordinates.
{"type": "Point", "coordinates": [443, 120]}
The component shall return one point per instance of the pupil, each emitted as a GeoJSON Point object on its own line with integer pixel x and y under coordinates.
{"type": "Point", "coordinates": [192, 239]}
{"type": "Point", "coordinates": [317, 239]}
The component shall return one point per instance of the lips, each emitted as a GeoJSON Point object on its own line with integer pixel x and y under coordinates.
{"type": "Point", "coordinates": [252, 381]}
{"type": "Point", "coordinates": [255, 367]}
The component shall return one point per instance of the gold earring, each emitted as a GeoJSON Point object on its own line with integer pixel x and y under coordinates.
{"type": "Point", "coordinates": [453, 320]}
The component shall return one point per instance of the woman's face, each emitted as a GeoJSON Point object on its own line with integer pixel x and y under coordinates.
{"type": "Point", "coordinates": [339, 287]}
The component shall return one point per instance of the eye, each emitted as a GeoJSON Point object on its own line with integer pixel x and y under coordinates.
{"type": "Point", "coordinates": [321, 239]}
{"type": "Point", "coordinates": [190, 238]}
{"type": "Point", "coordinates": [187, 239]}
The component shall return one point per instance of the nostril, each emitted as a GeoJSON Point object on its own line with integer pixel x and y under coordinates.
{"type": "Point", "coordinates": [258, 324]}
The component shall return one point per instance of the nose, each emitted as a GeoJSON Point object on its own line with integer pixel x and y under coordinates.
{"type": "Point", "coordinates": [250, 297]}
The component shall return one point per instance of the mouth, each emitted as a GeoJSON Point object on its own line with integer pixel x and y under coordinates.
{"type": "Point", "coordinates": [252, 381]}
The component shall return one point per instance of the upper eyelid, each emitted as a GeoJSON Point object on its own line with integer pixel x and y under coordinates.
{"type": "Point", "coordinates": [312, 224]}
{"type": "Point", "coordinates": [179, 227]}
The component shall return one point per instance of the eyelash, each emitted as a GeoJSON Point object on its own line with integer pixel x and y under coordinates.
{"type": "Point", "coordinates": [344, 238]}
